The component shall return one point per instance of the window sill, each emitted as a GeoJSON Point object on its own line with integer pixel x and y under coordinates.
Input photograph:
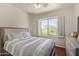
{"type": "Point", "coordinates": [51, 36]}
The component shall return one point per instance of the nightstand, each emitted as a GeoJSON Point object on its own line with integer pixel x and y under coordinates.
{"type": "Point", "coordinates": [4, 53]}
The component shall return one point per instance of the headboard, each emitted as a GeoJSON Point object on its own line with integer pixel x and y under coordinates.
{"type": "Point", "coordinates": [15, 30]}
{"type": "Point", "coordinates": [8, 30]}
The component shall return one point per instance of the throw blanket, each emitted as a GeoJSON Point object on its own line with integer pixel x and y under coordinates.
{"type": "Point", "coordinates": [32, 46]}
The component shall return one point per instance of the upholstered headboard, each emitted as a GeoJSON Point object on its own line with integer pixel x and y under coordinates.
{"type": "Point", "coordinates": [8, 30]}
{"type": "Point", "coordinates": [15, 30]}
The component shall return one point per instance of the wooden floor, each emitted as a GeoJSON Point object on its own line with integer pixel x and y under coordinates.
{"type": "Point", "coordinates": [60, 51]}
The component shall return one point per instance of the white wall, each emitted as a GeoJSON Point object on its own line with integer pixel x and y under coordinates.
{"type": "Point", "coordinates": [70, 23]}
{"type": "Point", "coordinates": [11, 16]}
{"type": "Point", "coordinates": [76, 14]}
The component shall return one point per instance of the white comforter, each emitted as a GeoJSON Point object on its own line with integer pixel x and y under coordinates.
{"type": "Point", "coordinates": [32, 46]}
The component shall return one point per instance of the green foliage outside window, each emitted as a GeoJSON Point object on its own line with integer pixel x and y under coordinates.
{"type": "Point", "coordinates": [49, 30]}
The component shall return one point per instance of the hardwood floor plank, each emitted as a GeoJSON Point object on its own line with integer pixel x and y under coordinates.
{"type": "Point", "coordinates": [60, 51]}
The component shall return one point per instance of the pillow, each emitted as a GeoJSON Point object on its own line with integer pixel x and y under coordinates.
{"type": "Point", "coordinates": [17, 35]}
{"type": "Point", "coordinates": [26, 34]}
{"type": "Point", "coordinates": [20, 35]}
{"type": "Point", "coordinates": [7, 37]}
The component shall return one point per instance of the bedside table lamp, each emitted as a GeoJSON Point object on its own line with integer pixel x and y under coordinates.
{"type": "Point", "coordinates": [74, 34]}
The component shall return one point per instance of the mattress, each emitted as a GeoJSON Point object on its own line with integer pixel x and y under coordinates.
{"type": "Point", "coordinates": [32, 46]}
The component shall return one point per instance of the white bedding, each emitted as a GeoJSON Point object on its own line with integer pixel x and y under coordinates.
{"type": "Point", "coordinates": [31, 46]}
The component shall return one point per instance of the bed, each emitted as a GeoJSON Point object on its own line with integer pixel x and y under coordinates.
{"type": "Point", "coordinates": [23, 44]}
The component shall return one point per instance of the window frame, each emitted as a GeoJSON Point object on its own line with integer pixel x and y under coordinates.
{"type": "Point", "coordinates": [40, 29]}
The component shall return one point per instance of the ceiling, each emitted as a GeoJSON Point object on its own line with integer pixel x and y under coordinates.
{"type": "Point", "coordinates": [29, 7]}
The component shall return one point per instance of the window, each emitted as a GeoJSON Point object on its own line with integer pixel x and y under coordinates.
{"type": "Point", "coordinates": [52, 26]}
{"type": "Point", "coordinates": [49, 26]}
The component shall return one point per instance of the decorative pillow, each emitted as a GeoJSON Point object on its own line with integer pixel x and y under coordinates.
{"type": "Point", "coordinates": [20, 35]}
{"type": "Point", "coordinates": [8, 37]}
{"type": "Point", "coordinates": [16, 35]}
{"type": "Point", "coordinates": [26, 34]}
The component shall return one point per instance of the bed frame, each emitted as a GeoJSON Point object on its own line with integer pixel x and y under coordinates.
{"type": "Point", "coordinates": [52, 51]}
{"type": "Point", "coordinates": [7, 30]}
